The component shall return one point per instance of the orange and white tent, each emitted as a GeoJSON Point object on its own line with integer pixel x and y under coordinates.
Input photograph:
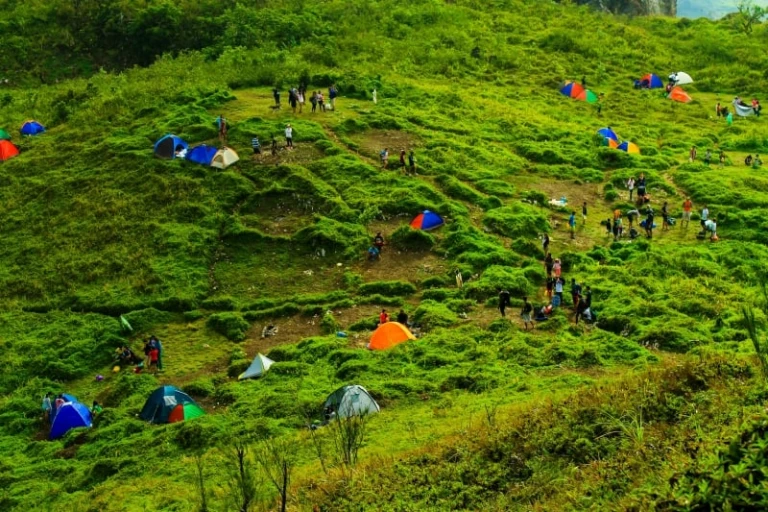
{"type": "Point", "coordinates": [388, 335]}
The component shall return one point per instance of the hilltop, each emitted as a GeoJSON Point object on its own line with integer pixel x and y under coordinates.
{"type": "Point", "coordinates": [477, 413]}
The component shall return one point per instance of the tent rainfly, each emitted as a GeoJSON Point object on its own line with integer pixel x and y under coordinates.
{"type": "Point", "coordinates": [351, 400]}
{"type": "Point", "coordinates": [259, 367]}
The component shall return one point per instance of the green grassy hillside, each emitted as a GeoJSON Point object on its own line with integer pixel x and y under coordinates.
{"type": "Point", "coordinates": [477, 413]}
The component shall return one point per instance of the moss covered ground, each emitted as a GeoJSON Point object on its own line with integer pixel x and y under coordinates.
{"type": "Point", "coordinates": [477, 414]}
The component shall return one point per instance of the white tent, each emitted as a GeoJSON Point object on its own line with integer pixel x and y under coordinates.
{"type": "Point", "coordinates": [224, 158]}
{"type": "Point", "coordinates": [258, 367]}
{"type": "Point", "coordinates": [681, 78]}
{"type": "Point", "coordinates": [743, 110]}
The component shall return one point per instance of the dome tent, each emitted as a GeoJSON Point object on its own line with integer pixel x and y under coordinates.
{"type": "Point", "coordinates": [427, 220]}
{"type": "Point", "coordinates": [608, 133]}
{"type": "Point", "coordinates": [587, 96]}
{"type": "Point", "coordinates": [629, 147]}
{"type": "Point", "coordinates": [681, 78]}
{"type": "Point", "coordinates": [654, 82]}
{"type": "Point", "coordinates": [388, 335]}
{"type": "Point", "coordinates": [259, 367]}
{"type": "Point", "coordinates": [167, 146]}
{"type": "Point", "coordinates": [224, 158]}
{"type": "Point", "coordinates": [678, 94]}
{"type": "Point", "coordinates": [31, 127]}
{"type": "Point", "coordinates": [168, 404]}
{"type": "Point", "coordinates": [4, 135]}
{"type": "Point", "coordinates": [572, 89]}
{"type": "Point", "coordinates": [7, 150]}
{"type": "Point", "coordinates": [71, 414]}
{"type": "Point", "coordinates": [202, 154]}
{"type": "Point", "coordinates": [351, 400]}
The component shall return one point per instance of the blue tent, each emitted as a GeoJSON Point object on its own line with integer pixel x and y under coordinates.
{"type": "Point", "coordinates": [32, 128]}
{"type": "Point", "coordinates": [168, 146]}
{"type": "Point", "coordinates": [202, 154]}
{"type": "Point", "coordinates": [168, 404]}
{"type": "Point", "coordinates": [652, 81]}
{"type": "Point", "coordinates": [608, 134]}
{"type": "Point", "coordinates": [70, 415]}
{"type": "Point", "coordinates": [427, 220]}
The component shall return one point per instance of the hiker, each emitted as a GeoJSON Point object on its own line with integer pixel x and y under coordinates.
{"type": "Point", "coordinates": [273, 147]}
{"type": "Point", "coordinates": [147, 348]}
{"type": "Point", "coordinates": [332, 93]}
{"type": "Point", "coordinates": [96, 408]}
{"type": "Point", "coordinates": [728, 117]}
{"type": "Point", "coordinates": [692, 154]}
{"type": "Point", "coordinates": [581, 308]}
{"type": "Point", "coordinates": [288, 136]}
{"type": "Point", "coordinates": [632, 215]}
{"type": "Point", "coordinates": [572, 224]}
{"type": "Point", "coordinates": [503, 302]}
{"type": "Point", "coordinates": [378, 241]}
{"type": "Point", "coordinates": [47, 406]}
{"type": "Point", "coordinates": [649, 224]}
{"type": "Point", "coordinates": [588, 297]}
{"type": "Point", "coordinates": [313, 100]}
{"type": "Point", "coordinates": [373, 253]}
{"type": "Point", "coordinates": [758, 108]}
{"type": "Point", "coordinates": [584, 212]}
{"type": "Point", "coordinates": [631, 186]}
{"type": "Point", "coordinates": [641, 185]}
{"type": "Point", "coordinates": [545, 243]}
{"type": "Point", "coordinates": [550, 286]}
{"type": "Point", "coordinates": [549, 264]}
{"type": "Point", "coordinates": [757, 162]}
{"type": "Point", "coordinates": [321, 101]}
{"type": "Point", "coordinates": [525, 313]}
{"type": "Point", "coordinates": [126, 355]}
{"type": "Point", "coordinates": [575, 292]}
{"type": "Point", "coordinates": [557, 267]}
{"type": "Point", "coordinates": [384, 156]}
{"type": "Point", "coordinates": [256, 145]}
{"type": "Point", "coordinates": [718, 109]}
{"type": "Point", "coordinates": [60, 400]}
{"type": "Point", "coordinates": [373, 94]}
{"type": "Point", "coordinates": [276, 95]}
{"type": "Point", "coordinates": [558, 299]}
{"type": "Point", "coordinates": [402, 317]}
{"type": "Point", "coordinates": [609, 226]}
{"type": "Point", "coordinates": [617, 228]}
{"type": "Point", "coordinates": [711, 226]}
{"type": "Point", "coordinates": [402, 160]}
{"type": "Point", "coordinates": [599, 104]}
{"type": "Point", "coordinates": [301, 99]}
{"type": "Point", "coordinates": [412, 162]}
{"type": "Point", "coordinates": [159, 346]}
{"type": "Point", "coordinates": [754, 105]}
{"type": "Point", "coordinates": [704, 216]}
{"type": "Point", "coordinates": [722, 159]}
{"type": "Point", "coordinates": [154, 354]}
{"type": "Point", "coordinates": [219, 122]}
{"type": "Point", "coordinates": [687, 207]}
{"type": "Point", "coordinates": [707, 156]}
{"type": "Point", "coordinates": [665, 217]}
{"type": "Point", "coordinates": [748, 161]}
{"type": "Point", "coordinates": [293, 99]}
{"type": "Point", "coordinates": [383, 317]}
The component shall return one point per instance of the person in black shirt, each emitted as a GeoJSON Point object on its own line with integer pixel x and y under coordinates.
{"type": "Point", "coordinates": [525, 313]}
{"type": "Point", "coordinates": [649, 224]}
{"type": "Point", "coordinates": [378, 241]}
{"type": "Point", "coordinates": [665, 217]}
{"type": "Point", "coordinates": [402, 317]}
{"type": "Point", "coordinates": [503, 301]}
{"type": "Point", "coordinates": [641, 186]}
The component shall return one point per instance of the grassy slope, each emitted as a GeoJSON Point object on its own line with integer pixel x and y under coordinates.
{"type": "Point", "coordinates": [94, 227]}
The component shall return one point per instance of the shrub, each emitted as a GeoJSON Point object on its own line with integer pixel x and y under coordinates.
{"type": "Point", "coordinates": [535, 197]}
{"type": "Point", "coordinates": [144, 319]}
{"type": "Point", "coordinates": [200, 387]}
{"type": "Point", "coordinates": [287, 309]}
{"type": "Point", "coordinates": [405, 238]}
{"type": "Point", "coordinates": [517, 221]}
{"type": "Point", "coordinates": [388, 288]}
{"type": "Point", "coordinates": [329, 325]}
{"type": "Point", "coordinates": [381, 300]}
{"type": "Point", "coordinates": [191, 316]}
{"type": "Point", "coordinates": [232, 325]}
{"type": "Point", "coordinates": [496, 278]}
{"type": "Point", "coordinates": [435, 282]}
{"type": "Point", "coordinates": [431, 314]}
{"type": "Point", "coordinates": [219, 303]}
{"type": "Point", "coordinates": [365, 324]}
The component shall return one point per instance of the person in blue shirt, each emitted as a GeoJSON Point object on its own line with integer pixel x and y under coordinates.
{"type": "Point", "coordinates": [256, 146]}
{"type": "Point", "coordinates": [572, 224]}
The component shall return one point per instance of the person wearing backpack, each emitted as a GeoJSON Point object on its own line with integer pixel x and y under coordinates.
{"type": "Point", "coordinates": [525, 313]}
{"type": "Point", "coordinates": [384, 156]}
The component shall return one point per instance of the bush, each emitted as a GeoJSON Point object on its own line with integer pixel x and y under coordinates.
{"type": "Point", "coordinates": [287, 309]}
{"type": "Point", "coordinates": [497, 278]}
{"type": "Point", "coordinates": [517, 221]}
{"type": "Point", "coordinates": [431, 314]}
{"type": "Point", "coordinates": [191, 316]}
{"type": "Point", "coordinates": [232, 325]}
{"type": "Point", "coordinates": [388, 288]}
{"type": "Point", "coordinates": [144, 319]}
{"type": "Point", "coordinates": [219, 304]}
{"type": "Point", "coordinates": [405, 238]}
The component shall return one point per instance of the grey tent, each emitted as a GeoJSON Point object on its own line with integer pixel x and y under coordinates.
{"type": "Point", "coordinates": [351, 400]}
{"type": "Point", "coordinates": [258, 367]}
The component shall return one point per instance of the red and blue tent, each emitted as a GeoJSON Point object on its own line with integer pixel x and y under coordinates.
{"type": "Point", "coordinates": [427, 220]}
{"type": "Point", "coordinates": [608, 133]}
{"type": "Point", "coordinates": [32, 128]}
{"type": "Point", "coordinates": [168, 146]}
{"type": "Point", "coordinates": [202, 154]}
{"type": "Point", "coordinates": [654, 82]}
{"type": "Point", "coordinates": [68, 416]}
{"type": "Point", "coordinates": [572, 89]}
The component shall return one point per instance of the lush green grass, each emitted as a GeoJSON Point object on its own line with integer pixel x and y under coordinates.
{"type": "Point", "coordinates": [93, 226]}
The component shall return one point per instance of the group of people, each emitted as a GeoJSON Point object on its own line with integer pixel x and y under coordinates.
{"type": "Point", "coordinates": [694, 153]}
{"type": "Point", "coordinates": [407, 164]}
{"type": "Point", "coordinates": [52, 405]}
{"type": "Point", "coordinates": [374, 251]}
{"type": "Point", "coordinates": [753, 162]}
{"type": "Point", "coordinates": [297, 97]}
{"type": "Point", "coordinates": [153, 355]}
{"type": "Point", "coordinates": [402, 317]}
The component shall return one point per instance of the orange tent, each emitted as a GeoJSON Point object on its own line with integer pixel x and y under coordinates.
{"type": "Point", "coordinates": [388, 335]}
{"type": "Point", "coordinates": [7, 150]}
{"type": "Point", "coordinates": [678, 94]}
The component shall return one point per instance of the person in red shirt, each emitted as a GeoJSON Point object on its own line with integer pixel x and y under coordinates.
{"type": "Point", "coordinates": [687, 206]}
{"type": "Point", "coordinates": [383, 317]}
{"type": "Point", "coordinates": [154, 353]}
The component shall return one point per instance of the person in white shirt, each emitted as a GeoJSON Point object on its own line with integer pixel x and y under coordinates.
{"type": "Point", "coordinates": [704, 217]}
{"type": "Point", "coordinates": [289, 136]}
{"type": "Point", "coordinates": [631, 186]}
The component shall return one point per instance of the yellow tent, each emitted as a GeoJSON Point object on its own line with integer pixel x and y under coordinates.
{"type": "Point", "coordinates": [224, 158]}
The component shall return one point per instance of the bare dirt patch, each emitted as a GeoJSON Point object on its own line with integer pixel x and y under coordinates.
{"type": "Point", "coordinates": [371, 142]}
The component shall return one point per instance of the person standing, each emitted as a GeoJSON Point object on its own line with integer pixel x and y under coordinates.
{"type": "Point", "coordinates": [302, 99]}
{"type": "Point", "coordinates": [402, 161]}
{"type": "Point", "coordinates": [617, 228]}
{"type": "Point", "coordinates": [159, 346]}
{"type": "Point", "coordinates": [584, 213]}
{"type": "Point", "coordinates": [545, 244]}
{"type": "Point", "coordinates": [293, 99]}
{"type": "Point", "coordinates": [503, 302]}
{"type": "Point", "coordinates": [708, 157]}
{"type": "Point", "coordinates": [276, 96]}
{"type": "Point", "coordinates": [525, 313]}
{"type": "Point", "coordinates": [222, 130]}
{"type": "Point", "coordinates": [332, 93]}
{"type": "Point", "coordinates": [549, 264]}
{"type": "Point", "coordinates": [47, 407]}
{"type": "Point", "coordinates": [274, 146]}
{"type": "Point", "coordinates": [641, 186]}
{"type": "Point", "coordinates": [412, 162]}
{"type": "Point", "coordinates": [665, 217]}
{"type": "Point", "coordinates": [384, 155]}
{"type": "Point", "coordinates": [572, 224]}
{"type": "Point", "coordinates": [313, 100]}
{"type": "Point", "coordinates": [588, 297]}
{"type": "Point", "coordinates": [383, 317]}
{"type": "Point", "coordinates": [557, 267]}
{"type": "Point", "coordinates": [718, 110]}
{"type": "Point", "coordinates": [722, 159]}
{"type": "Point", "coordinates": [402, 317]}
{"type": "Point", "coordinates": [550, 286]}
{"type": "Point", "coordinates": [631, 186]}
{"type": "Point", "coordinates": [321, 101]}
{"type": "Point", "coordinates": [256, 145]}
{"type": "Point", "coordinates": [649, 224]}
{"type": "Point", "coordinates": [559, 284]}
{"type": "Point", "coordinates": [687, 207]}
{"type": "Point", "coordinates": [288, 136]}
{"type": "Point", "coordinates": [575, 292]}
{"type": "Point", "coordinates": [692, 154]}
{"type": "Point", "coordinates": [704, 216]}
{"type": "Point", "coordinates": [584, 81]}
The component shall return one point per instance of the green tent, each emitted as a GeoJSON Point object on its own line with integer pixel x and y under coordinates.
{"type": "Point", "coordinates": [351, 400]}
{"type": "Point", "coordinates": [258, 367]}
{"type": "Point", "coordinates": [4, 135]}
